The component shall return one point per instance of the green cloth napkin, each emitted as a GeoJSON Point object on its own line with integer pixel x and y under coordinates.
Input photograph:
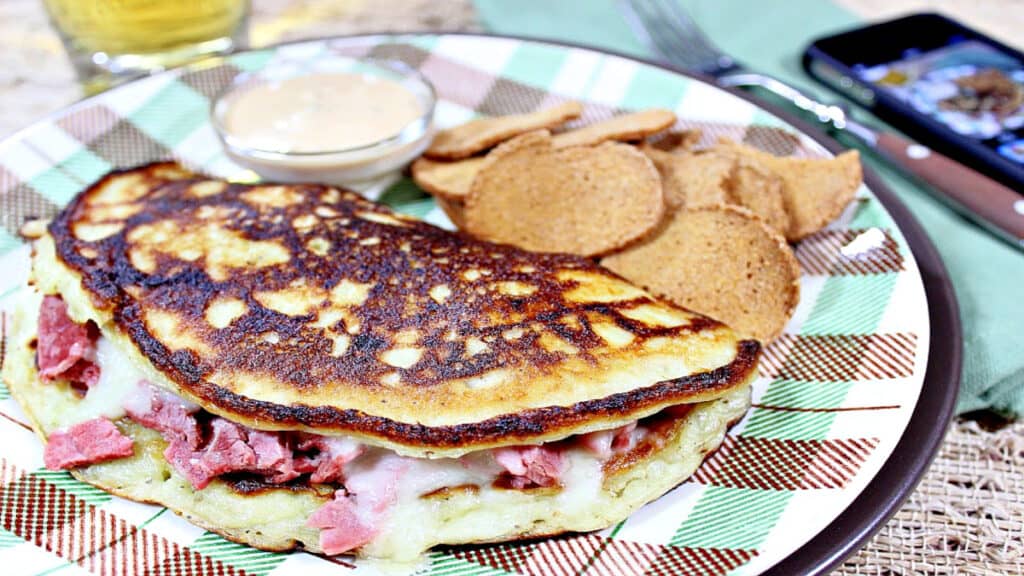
{"type": "Point", "coordinates": [988, 275]}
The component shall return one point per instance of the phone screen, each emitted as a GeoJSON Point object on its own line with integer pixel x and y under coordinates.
{"type": "Point", "coordinates": [968, 85]}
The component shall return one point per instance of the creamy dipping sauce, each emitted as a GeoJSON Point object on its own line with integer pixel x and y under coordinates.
{"type": "Point", "coordinates": [320, 113]}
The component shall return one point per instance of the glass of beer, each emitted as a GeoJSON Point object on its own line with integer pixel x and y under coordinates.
{"type": "Point", "coordinates": [111, 40]}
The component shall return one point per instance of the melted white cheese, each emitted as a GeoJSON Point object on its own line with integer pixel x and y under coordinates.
{"type": "Point", "coordinates": [413, 523]}
{"type": "Point", "coordinates": [118, 378]}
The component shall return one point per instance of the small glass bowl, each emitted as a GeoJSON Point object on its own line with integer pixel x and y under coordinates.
{"type": "Point", "coordinates": [345, 166]}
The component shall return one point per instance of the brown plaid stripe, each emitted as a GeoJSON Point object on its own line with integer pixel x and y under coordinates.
{"type": "Point", "coordinates": [599, 556]}
{"type": "Point", "coordinates": [510, 97]}
{"type": "Point", "coordinates": [834, 253]}
{"type": "Point", "coordinates": [768, 138]}
{"type": "Point", "coordinates": [124, 146]}
{"type": "Point", "coordinates": [783, 464]}
{"type": "Point", "coordinates": [675, 560]}
{"type": "Point", "coordinates": [777, 141]}
{"type": "Point", "coordinates": [88, 123]}
{"type": "Point", "coordinates": [622, 557]}
{"type": "Point", "coordinates": [458, 83]}
{"type": "Point", "coordinates": [210, 81]}
{"type": "Point", "coordinates": [71, 528]}
{"type": "Point", "coordinates": [835, 358]}
{"type": "Point", "coordinates": [20, 202]}
{"type": "Point", "coordinates": [414, 56]}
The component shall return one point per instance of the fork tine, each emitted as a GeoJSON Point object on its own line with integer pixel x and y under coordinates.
{"type": "Point", "coordinates": [665, 39]}
{"type": "Point", "coordinates": [631, 10]}
{"type": "Point", "coordinates": [666, 28]}
{"type": "Point", "coordinates": [674, 12]}
{"type": "Point", "coordinates": [677, 17]}
{"type": "Point", "coordinates": [643, 18]}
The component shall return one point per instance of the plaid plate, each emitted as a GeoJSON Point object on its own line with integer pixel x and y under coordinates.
{"type": "Point", "coordinates": [834, 396]}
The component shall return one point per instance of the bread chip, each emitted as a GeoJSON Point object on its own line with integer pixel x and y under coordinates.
{"type": "Point", "coordinates": [478, 135]}
{"type": "Point", "coordinates": [621, 128]}
{"type": "Point", "coordinates": [448, 179]}
{"type": "Point", "coordinates": [454, 209]}
{"type": "Point", "coordinates": [722, 261]}
{"type": "Point", "coordinates": [759, 190]}
{"type": "Point", "coordinates": [815, 190]}
{"type": "Point", "coordinates": [693, 180]}
{"type": "Point", "coordinates": [677, 142]}
{"type": "Point", "coordinates": [582, 200]}
{"type": "Point", "coordinates": [711, 178]}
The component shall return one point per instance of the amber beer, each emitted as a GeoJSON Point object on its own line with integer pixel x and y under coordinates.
{"type": "Point", "coordinates": [125, 37]}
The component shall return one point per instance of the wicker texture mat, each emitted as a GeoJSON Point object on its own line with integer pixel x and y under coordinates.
{"type": "Point", "coordinates": [966, 517]}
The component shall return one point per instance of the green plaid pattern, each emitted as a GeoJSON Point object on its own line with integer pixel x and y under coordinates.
{"type": "Point", "coordinates": [850, 363]}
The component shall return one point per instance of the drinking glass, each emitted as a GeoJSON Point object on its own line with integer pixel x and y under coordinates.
{"type": "Point", "coordinates": [112, 40]}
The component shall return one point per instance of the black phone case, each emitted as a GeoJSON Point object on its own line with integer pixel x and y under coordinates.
{"type": "Point", "coordinates": [921, 128]}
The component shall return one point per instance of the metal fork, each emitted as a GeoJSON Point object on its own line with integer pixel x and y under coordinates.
{"type": "Point", "coordinates": [666, 28]}
{"type": "Point", "coordinates": [669, 32]}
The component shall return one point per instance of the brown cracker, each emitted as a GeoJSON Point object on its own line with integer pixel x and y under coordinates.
{"type": "Point", "coordinates": [455, 210]}
{"type": "Point", "coordinates": [711, 177]}
{"type": "Point", "coordinates": [692, 180]}
{"type": "Point", "coordinates": [815, 190]}
{"type": "Point", "coordinates": [478, 135]}
{"type": "Point", "coordinates": [581, 200]}
{"type": "Point", "coordinates": [676, 141]}
{"type": "Point", "coordinates": [621, 128]}
{"type": "Point", "coordinates": [448, 179]}
{"type": "Point", "coordinates": [759, 190]}
{"type": "Point", "coordinates": [723, 261]}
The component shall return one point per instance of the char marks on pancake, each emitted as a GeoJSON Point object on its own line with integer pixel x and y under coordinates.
{"type": "Point", "coordinates": [305, 306]}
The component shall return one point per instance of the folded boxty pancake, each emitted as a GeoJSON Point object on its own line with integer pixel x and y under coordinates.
{"type": "Point", "coordinates": [298, 366]}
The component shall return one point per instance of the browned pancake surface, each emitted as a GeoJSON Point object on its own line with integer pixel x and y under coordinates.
{"type": "Point", "coordinates": [305, 306]}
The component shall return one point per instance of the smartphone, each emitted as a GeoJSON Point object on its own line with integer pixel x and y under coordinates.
{"type": "Point", "coordinates": [947, 86]}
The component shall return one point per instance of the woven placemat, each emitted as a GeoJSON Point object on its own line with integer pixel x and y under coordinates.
{"type": "Point", "coordinates": [966, 517]}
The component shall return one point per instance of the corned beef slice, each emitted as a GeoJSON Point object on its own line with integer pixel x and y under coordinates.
{"type": "Point", "coordinates": [235, 448]}
{"type": "Point", "coordinates": [623, 439]}
{"type": "Point", "coordinates": [332, 453]}
{"type": "Point", "coordinates": [350, 520]}
{"type": "Point", "coordinates": [65, 350]}
{"type": "Point", "coordinates": [340, 527]}
{"type": "Point", "coordinates": [226, 451]}
{"type": "Point", "coordinates": [96, 440]}
{"type": "Point", "coordinates": [608, 442]}
{"type": "Point", "coordinates": [164, 412]}
{"type": "Point", "coordinates": [531, 465]}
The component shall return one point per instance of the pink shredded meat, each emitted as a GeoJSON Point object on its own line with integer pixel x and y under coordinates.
{"type": "Point", "coordinates": [531, 465]}
{"type": "Point", "coordinates": [351, 519]}
{"type": "Point", "coordinates": [331, 455]}
{"type": "Point", "coordinates": [341, 530]}
{"type": "Point", "coordinates": [606, 443]}
{"type": "Point", "coordinates": [226, 451]}
{"type": "Point", "coordinates": [89, 442]}
{"type": "Point", "coordinates": [66, 351]}
{"type": "Point", "coordinates": [170, 415]}
{"type": "Point", "coordinates": [235, 448]}
{"type": "Point", "coordinates": [274, 457]}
